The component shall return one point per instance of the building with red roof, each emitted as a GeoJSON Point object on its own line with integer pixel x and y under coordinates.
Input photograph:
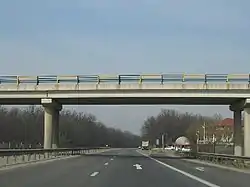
{"type": "Point", "coordinates": [227, 122]}
{"type": "Point", "coordinates": [224, 130]}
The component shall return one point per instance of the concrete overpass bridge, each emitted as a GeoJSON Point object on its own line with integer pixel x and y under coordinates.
{"type": "Point", "coordinates": [187, 89]}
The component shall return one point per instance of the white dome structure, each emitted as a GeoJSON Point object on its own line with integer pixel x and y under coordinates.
{"type": "Point", "coordinates": [182, 141]}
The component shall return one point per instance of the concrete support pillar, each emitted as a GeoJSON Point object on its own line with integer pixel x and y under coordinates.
{"type": "Point", "coordinates": [55, 131]}
{"type": "Point", "coordinates": [51, 123]}
{"type": "Point", "coordinates": [247, 131]}
{"type": "Point", "coordinates": [238, 139]}
{"type": "Point", "coordinates": [244, 105]}
{"type": "Point", "coordinates": [48, 127]}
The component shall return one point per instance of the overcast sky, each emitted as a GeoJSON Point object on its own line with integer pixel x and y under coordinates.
{"type": "Point", "coordinates": [125, 36]}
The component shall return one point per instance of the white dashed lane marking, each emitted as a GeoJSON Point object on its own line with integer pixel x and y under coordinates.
{"type": "Point", "coordinates": [94, 174]}
{"type": "Point", "coordinates": [200, 168]}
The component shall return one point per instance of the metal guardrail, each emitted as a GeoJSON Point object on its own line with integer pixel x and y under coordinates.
{"type": "Point", "coordinates": [127, 78]}
{"type": "Point", "coordinates": [18, 156]}
{"type": "Point", "coordinates": [222, 159]}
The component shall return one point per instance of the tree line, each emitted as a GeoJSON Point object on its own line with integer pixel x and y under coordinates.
{"type": "Point", "coordinates": [174, 124]}
{"type": "Point", "coordinates": [25, 128]}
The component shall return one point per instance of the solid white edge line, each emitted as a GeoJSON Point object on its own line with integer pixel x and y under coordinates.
{"type": "Point", "coordinates": [94, 174]}
{"type": "Point", "coordinates": [182, 172]}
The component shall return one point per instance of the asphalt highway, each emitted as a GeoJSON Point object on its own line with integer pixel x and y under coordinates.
{"type": "Point", "coordinates": [122, 168]}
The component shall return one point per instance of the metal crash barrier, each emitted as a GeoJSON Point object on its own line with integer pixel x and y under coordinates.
{"type": "Point", "coordinates": [19, 156]}
{"type": "Point", "coordinates": [221, 159]}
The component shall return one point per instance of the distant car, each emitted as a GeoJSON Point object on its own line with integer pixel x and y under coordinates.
{"type": "Point", "coordinates": [139, 147]}
{"type": "Point", "coordinates": [185, 149]}
{"type": "Point", "coordinates": [170, 148]}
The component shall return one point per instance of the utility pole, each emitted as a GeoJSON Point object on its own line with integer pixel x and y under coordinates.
{"type": "Point", "coordinates": [163, 137]}
{"type": "Point", "coordinates": [214, 142]}
{"type": "Point", "coordinates": [213, 137]}
{"type": "Point", "coordinates": [157, 142]}
{"type": "Point", "coordinates": [204, 132]}
{"type": "Point", "coordinates": [197, 140]}
{"type": "Point", "coordinates": [162, 140]}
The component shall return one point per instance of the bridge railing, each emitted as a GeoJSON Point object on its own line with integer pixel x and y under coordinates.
{"type": "Point", "coordinates": [127, 79]}
{"type": "Point", "coordinates": [19, 156]}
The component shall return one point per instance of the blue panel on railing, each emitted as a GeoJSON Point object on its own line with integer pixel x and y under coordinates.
{"type": "Point", "coordinates": [8, 79]}
{"type": "Point", "coordinates": [129, 78]}
{"type": "Point", "coordinates": [47, 79]}
{"type": "Point", "coordinates": [238, 80]}
{"type": "Point", "coordinates": [216, 77]}
{"type": "Point", "coordinates": [109, 79]}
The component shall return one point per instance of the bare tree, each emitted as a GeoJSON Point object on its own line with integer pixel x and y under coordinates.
{"type": "Point", "coordinates": [175, 124]}
{"type": "Point", "coordinates": [25, 127]}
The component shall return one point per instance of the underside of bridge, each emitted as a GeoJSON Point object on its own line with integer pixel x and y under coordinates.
{"type": "Point", "coordinates": [127, 101]}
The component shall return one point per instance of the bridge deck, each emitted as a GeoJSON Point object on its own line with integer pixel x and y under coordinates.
{"type": "Point", "coordinates": [126, 89]}
{"type": "Point", "coordinates": [146, 86]}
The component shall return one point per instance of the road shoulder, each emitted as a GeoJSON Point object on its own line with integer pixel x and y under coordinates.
{"type": "Point", "coordinates": [246, 171]}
